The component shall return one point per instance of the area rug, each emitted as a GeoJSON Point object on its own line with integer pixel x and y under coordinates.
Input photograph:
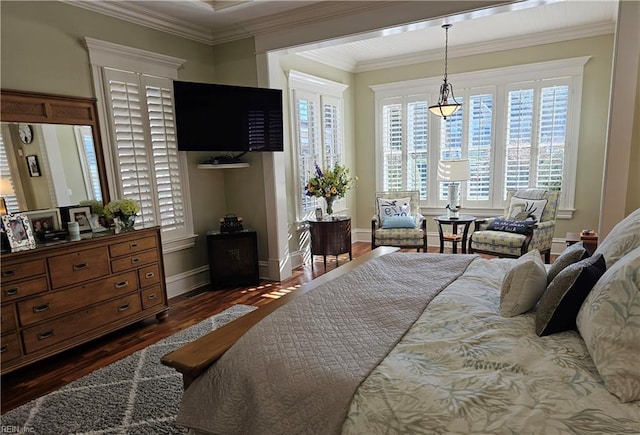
{"type": "Point", "coordinates": [136, 395]}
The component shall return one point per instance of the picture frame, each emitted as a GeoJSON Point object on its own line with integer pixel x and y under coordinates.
{"type": "Point", "coordinates": [44, 221]}
{"type": "Point", "coordinates": [19, 232]}
{"type": "Point", "coordinates": [82, 215]}
{"type": "Point", "coordinates": [33, 165]}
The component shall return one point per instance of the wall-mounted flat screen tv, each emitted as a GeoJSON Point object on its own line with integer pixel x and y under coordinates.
{"type": "Point", "coordinates": [224, 118]}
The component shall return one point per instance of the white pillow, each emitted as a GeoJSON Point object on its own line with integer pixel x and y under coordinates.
{"type": "Point", "coordinates": [623, 238]}
{"type": "Point", "coordinates": [388, 207]}
{"type": "Point", "coordinates": [521, 209]}
{"type": "Point", "coordinates": [608, 321]}
{"type": "Point", "coordinates": [523, 285]}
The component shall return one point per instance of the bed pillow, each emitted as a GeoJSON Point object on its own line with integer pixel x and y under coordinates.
{"type": "Point", "coordinates": [399, 222]}
{"type": "Point", "coordinates": [511, 226]}
{"type": "Point", "coordinates": [521, 209]}
{"type": "Point", "coordinates": [523, 284]}
{"type": "Point", "coordinates": [388, 207]}
{"type": "Point", "coordinates": [570, 255]}
{"type": "Point", "coordinates": [623, 238]}
{"type": "Point", "coordinates": [561, 301]}
{"type": "Point", "coordinates": [608, 323]}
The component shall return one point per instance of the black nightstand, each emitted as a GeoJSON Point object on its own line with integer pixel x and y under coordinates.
{"type": "Point", "coordinates": [233, 258]}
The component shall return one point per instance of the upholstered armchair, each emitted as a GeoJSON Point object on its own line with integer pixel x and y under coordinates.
{"type": "Point", "coordinates": [528, 223]}
{"type": "Point", "coordinates": [398, 222]}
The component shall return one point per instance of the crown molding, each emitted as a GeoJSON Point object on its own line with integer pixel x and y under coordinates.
{"type": "Point", "coordinates": [523, 41]}
{"type": "Point", "coordinates": [147, 18]}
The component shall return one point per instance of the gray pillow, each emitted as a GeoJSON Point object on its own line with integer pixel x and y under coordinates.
{"type": "Point", "coordinates": [572, 254]}
{"type": "Point", "coordinates": [561, 301]}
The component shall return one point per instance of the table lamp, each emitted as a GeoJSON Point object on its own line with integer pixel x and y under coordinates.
{"type": "Point", "coordinates": [452, 172]}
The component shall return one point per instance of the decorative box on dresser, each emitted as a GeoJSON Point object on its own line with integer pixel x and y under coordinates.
{"type": "Point", "coordinates": [59, 296]}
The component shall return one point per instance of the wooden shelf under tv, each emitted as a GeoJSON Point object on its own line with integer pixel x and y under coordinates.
{"type": "Point", "coordinates": [223, 165]}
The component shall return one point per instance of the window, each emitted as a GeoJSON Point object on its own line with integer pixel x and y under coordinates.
{"type": "Point", "coordinates": [7, 180]}
{"type": "Point", "coordinates": [317, 120]}
{"type": "Point", "coordinates": [518, 127]}
{"type": "Point", "coordinates": [146, 165]}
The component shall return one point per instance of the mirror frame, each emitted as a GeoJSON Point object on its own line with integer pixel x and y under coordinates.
{"type": "Point", "coordinates": [39, 108]}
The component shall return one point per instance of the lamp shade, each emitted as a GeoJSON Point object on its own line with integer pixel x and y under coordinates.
{"type": "Point", "coordinates": [5, 186]}
{"type": "Point", "coordinates": [453, 170]}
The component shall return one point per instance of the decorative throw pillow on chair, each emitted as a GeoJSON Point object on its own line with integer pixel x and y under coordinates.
{"type": "Point", "coordinates": [511, 226]}
{"type": "Point", "coordinates": [388, 207]}
{"type": "Point", "coordinates": [521, 209]}
{"type": "Point", "coordinates": [399, 222]}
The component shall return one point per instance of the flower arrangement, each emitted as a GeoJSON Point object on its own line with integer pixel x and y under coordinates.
{"type": "Point", "coordinates": [121, 208]}
{"type": "Point", "coordinates": [330, 184]}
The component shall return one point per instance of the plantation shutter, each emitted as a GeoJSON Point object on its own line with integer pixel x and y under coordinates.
{"type": "Point", "coordinates": [417, 146]}
{"type": "Point", "coordinates": [307, 118]}
{"type": "Point", "coordinates": [143, 130]}
{"type": "Point", "coordinates": [451, 141]}
{"type": "Point", "coordinates": [10, 198]}
{"type": "Point", "coordinates": [519, 139]}
{"type": "Point", "coordinates": [480, 133]}
{"type": "Point", "coordinates": [89, 162]}
{"type": "Point", "coordinates": [331, 131]}
{"type": "Point", "coordinates": [552, 134]}
{"type": "Point", "coordinates": [392, 152]}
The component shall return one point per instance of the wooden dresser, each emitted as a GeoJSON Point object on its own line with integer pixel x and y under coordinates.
{"type": "Point", "coordinates": [57, 297]}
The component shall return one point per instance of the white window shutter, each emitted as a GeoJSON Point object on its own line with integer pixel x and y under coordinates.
{"type": "Point", "coordinates": [10, 198]}
{"type": "Point", "coordinates": [166, 166]}
{"type": "Point", "coordinates": [480, 139]}
{"type": "Point", "coordinates": [417, 146]}
{"type": "Point", "coordinates": [552, 134]}
{"type": "Point", "coordinates": [307, 123]}
{"type": "Point", "coordinates": [519, 139]}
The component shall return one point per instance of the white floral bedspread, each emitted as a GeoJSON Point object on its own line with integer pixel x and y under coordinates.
{"type": "Point", "coordinates": [463, 368]}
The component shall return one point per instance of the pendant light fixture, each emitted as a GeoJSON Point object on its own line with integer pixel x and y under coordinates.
{"type": "Point", "coordinates": [444, 107]}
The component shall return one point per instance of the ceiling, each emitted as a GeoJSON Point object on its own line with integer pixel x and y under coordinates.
{"type": "Point", "coordinates": [517, 25]}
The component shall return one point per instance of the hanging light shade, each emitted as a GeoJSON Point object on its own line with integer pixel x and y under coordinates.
{"type": "Point", "coordinates": [447, 104]}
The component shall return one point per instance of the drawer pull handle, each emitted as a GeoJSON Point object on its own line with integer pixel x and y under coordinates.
{"type": "Point", "coordinates": [135, 260]}
{"type": "Point", "coordinates": [149, 275]}
{"type": "Point", "coordinates": [80, 266]}
{"type": "Point", "coordinates": [45, 335]}
{"type": "Point", "coordinates": [40, 308]}
{"type": "Point", "coordinates": [11, 291]}
{"type": "Point", "coordinates": [133, 245]}
{"type": "Point", "coordinates": [3, 349]}
{"type": "Point", "coordinates": [124, 307]}
{"type": "Point", "coordinates": [151, 296]}
{"type": "Point", "coordinates": [6, 273]}
{"type": "Point", "coordinates": [121, 284]}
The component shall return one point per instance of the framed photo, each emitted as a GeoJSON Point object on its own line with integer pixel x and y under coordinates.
{"type": "Point", "coordinates": [44, 221]}
{"type": "Point", "coordinates": [34, 166]}
{"type": "Point", "coordinates": [82, 215]}
{"type": "Point", "coordinates": [19, 233]}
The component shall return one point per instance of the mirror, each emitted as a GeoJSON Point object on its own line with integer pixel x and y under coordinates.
{"type": "Point", "coordinates": [50, 151]}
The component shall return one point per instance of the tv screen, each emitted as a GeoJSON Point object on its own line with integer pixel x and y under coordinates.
{"type": "Point", "coordinates": [225, 118]}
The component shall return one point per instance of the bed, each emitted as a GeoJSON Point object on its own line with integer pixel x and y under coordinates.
{"type": "Point", "coordinates": [432, 343]}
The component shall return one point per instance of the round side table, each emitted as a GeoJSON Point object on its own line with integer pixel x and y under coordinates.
{"type": "Point", "coordinates": [453, 237]}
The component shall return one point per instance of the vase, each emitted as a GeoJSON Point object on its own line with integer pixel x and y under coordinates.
{"type": "Point", "coordinates": [329, 200]}
{"type": "Point", "coordinates": [125, 222]}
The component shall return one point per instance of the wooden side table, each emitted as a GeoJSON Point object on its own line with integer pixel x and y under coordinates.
{"type": "Point", "coordinates": [590, 241]}
{"type": "Point", "coordinates": [331, 236]}
{"type": "Point", "coordinates": [453, 237]}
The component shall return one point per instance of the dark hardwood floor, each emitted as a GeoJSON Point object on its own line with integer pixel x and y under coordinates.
{"type": "Point", "coordinates": [37, 379]}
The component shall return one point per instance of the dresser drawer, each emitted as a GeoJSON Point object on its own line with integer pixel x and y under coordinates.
{"type": "Point", "coordinates": [149, 275]}
{"type": "Point", "coordinates": [134, 261]}
{"type": "Point", "coordinates": [151, 297]}
{"type": "Point", "coordinates": [16, 271]}
{"type": "Point", "coordinates": [75, 267]}
{"type": "Point", "coordinates": [132, 247]}
{"type": "Point", "coordinates": [64, 328]}
{"type": "Point", "coordinates": [15, 290]}
{"type": "Point", "coordinates": [54, 304]}
{"type": "Point", "coordinates": [7, 318]}
{"type": "Point", "coordinates": [9, 347]}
